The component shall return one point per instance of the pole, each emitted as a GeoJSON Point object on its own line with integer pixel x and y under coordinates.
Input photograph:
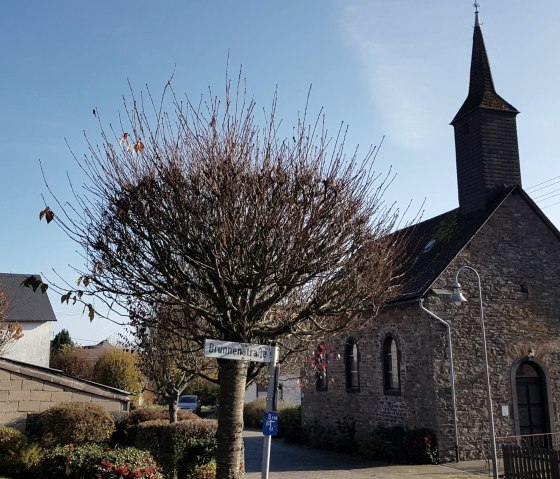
{"type": "Point", "coordinates": [488, 389]}
{"type": "Point", "coordinates": [451, 374]}
{"type": "Point", "coordinates": [270, 401]}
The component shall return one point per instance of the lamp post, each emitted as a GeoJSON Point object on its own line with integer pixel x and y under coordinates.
{"type": "Point", "coordinates": [458, 298]}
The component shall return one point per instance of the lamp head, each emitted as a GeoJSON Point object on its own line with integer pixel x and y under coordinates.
{"type": "Point", "coordinates": [456, 296]}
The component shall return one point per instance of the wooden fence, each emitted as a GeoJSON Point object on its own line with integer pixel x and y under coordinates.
{"type": "Point", "coordinates": [530, 462]}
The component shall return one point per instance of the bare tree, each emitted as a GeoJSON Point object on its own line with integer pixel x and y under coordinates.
{"type": "Point", "coordinates": [256, 239]}
{"type": "Point", "coordinates": [168, 359]}
{"type": "Point", "coordinates": [10, 331]}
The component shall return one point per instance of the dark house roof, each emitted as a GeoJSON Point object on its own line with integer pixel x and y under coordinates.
{"type": "Point", "coordinates": [25, 305]}
{"type": "Point", "coordinates": [434, 243]}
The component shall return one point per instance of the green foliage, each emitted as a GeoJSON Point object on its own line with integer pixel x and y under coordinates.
{"type": "Point", "coordinates": [180, 447]}
{"type": "Point", "coordinates": [206, 471]}
{"type": "Point", "coordinates": [421, 446]}
{"type": "Point", "coordinates": [93, 461]}
{"type": "Point", "coordinates": [61, 339]}
{"type": "Point", "coordinates": [375, 449]}
{"type": "Point", "coordinates": [68, 359]}
{"type": "Point", "coordinates": [126, 426]}
{"type": "Point", "coordinates": [344, 438]}
{"type": "Point", "coordinates": [289, 424]}
{"type": "Point", "coordinates": [119, 369]}
{"type": "Point", "coordinates": [12, 443]}
{"type": "Point", "coordinates": [206, 390]}
{"type": "Point", "coordinates": [75, 423]}
{"type": "Point", "coordinates": [253, 413]}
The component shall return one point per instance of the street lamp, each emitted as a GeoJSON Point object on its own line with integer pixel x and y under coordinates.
{"type": "Point", "coordinates": [458, 298]}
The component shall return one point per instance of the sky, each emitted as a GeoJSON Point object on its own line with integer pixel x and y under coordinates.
{"type": "Point", "coordinates": [392, 69]}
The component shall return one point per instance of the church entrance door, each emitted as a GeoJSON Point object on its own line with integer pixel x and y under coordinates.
{"type": "Point", "coordinates": [531, 400]}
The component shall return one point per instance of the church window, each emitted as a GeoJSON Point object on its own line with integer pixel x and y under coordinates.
{"type": "Point", "coordinates": [351, 360]}
{"type": "Point", "coordinates": [391, 366]}
{"type": "Point", "coordinates": [320, 363]}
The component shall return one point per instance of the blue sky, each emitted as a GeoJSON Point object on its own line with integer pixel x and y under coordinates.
{"type": "Point", "coordinates": [393, 68]}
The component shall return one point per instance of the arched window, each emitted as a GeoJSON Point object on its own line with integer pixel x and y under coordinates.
{"type": "Point", "coordinates": [391, 363]}
{"type": "Point", "coordinates": [351, 360]}
{"type": "Point", "coordinates": [321, 362]}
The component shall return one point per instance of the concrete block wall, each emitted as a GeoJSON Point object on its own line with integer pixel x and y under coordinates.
{"type": "Point", "coordinates": [25, 389]}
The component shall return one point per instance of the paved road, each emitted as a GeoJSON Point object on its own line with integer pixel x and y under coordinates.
{"type": "Point", "coordinates": [297, 462]}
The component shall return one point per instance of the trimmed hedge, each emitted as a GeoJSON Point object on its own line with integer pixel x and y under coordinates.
{"type": "Point", "coordinates": [181, 447]}
{"type": "Point", "coordinates": [126, 424]}
{"type": "Point", "coordinates": [75, 423]}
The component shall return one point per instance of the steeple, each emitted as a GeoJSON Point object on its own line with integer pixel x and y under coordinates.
{"type": "Point", "coordinates": [486, 147]}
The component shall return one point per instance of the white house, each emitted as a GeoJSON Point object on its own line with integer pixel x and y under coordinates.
{"type": "Point", "coordinates": [33, 310]}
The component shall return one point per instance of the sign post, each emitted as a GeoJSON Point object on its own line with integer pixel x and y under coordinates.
{"type": "Point", "coordinates": [270, 406]}
{"type": "Point", "coordinates": [214, 348]}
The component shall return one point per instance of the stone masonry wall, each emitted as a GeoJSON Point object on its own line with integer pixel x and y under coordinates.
{"type": "Point", "coordinates": [518, 259]}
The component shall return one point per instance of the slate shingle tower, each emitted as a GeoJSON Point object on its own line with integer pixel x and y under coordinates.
{"type": "Point", "coordinates": [486, 149]}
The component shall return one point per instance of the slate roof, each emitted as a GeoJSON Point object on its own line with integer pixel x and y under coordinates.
{"type": "Point", "coordinates": [25, 305]}
{"type": "Point", "coordinates": [434, 243]}
{"type": "Point", "coordinates": [482, 93]}
{"type": "Point", "coordinates": [450, 232]}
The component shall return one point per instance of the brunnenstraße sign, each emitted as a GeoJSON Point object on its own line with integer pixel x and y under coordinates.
{"type": "Point", "coordinates": [240, 351]}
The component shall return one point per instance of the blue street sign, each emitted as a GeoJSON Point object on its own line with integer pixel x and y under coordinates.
{"type": "Point", "coordinates": [270, 423]}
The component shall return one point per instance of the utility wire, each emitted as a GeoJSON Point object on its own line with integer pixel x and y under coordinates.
{"type": "Point", "coordinates": [542, 183]}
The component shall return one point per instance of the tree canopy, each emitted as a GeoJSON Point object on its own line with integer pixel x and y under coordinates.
{"type": "Point", "coordinates": [250, 237]}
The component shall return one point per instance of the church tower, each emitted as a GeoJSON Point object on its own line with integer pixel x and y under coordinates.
{"type": "Point", "coordinates": [486, 149]}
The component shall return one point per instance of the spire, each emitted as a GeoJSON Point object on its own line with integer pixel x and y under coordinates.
{"type": "Point", "coordinates": [486, 149]}
{"type": "Point", "coordinates": [482, 93]}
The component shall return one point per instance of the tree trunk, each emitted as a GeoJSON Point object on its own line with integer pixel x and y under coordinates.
{"type": "Point", "coordinates": [172, 404]}
{"type": "Point", "coordinates": [230, 460]}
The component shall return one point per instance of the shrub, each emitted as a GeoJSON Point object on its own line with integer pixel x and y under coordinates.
{"type": "Point", "coordinates": [206, 471]}
{"type": "Point", "coordinates": [289, 424]}
{"type": "Point", "coordinates": [91, 460]}
{"type": "Point", "coordinates": [344, 437]}
{"type": "Point", "coordinates": [187, 445]}
{"type": "Point", "coordinates": [375, 449]}
{"type": "Point", "coordinates": [12, 443]}
{"type": "Point", "coordinates": [148, 435]}
{"type": "Point", "coordinates": [75, 423]}
{"type": "Point", "coordinates": [119, 369]}
{"type": "Point", "coordinates": [70, 360]}
{"type": "Point", "coordinates": [126, 427]}
{"type": "Point", "coordinates": [421, 446]}
{"type": "Point", "coordinates": [253, 413]}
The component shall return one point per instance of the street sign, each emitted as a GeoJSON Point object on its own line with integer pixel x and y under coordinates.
{"type": "Point", "coordinates": [240, 351]}
{"type": "Point", "coordinates": [270, 423]}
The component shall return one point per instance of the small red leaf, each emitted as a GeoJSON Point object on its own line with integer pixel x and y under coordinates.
{"type": "Point", "coordinates": [139, 146]}
{"type": "Point", "coordinates": [47, 213]}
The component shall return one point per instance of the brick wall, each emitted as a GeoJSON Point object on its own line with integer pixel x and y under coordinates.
{"type": "Point", "coordinates": [27, 389]}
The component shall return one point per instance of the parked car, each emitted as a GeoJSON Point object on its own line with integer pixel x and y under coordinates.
{"type": "Point", "coordinates": [189, 402]}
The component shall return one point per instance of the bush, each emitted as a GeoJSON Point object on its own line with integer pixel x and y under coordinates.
{"type": "Point", "coordinates": [75, 423]}
{"type": "Point", "coordinates": [421, 446]}
{"type": "Point", "coordinates": [12, 444]}
{"type": "Point", "coordinates": [92, 461]}
{"type": "Point", "coordinates": [182, 446]}
{"type": "Point", "coordinates": [126, 425]}
{"type": "Point", "coordinates": [375, 449]}
{"type": "Point", "coordinates": [289, 424]}
{"type": "Point", "coordinates": [70, 360]}
{"type": "Point", "coordinates": [119, 369]}
{"type": "Point", "coordinates": [206, 471]}
{"type": "Point", "coordinates": [344, 438]}
{"type": "Point", "coordinates": [253, 413]}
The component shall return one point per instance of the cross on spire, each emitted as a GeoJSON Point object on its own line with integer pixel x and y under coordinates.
{"type": "Point", "coordinates": [476, 22]}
